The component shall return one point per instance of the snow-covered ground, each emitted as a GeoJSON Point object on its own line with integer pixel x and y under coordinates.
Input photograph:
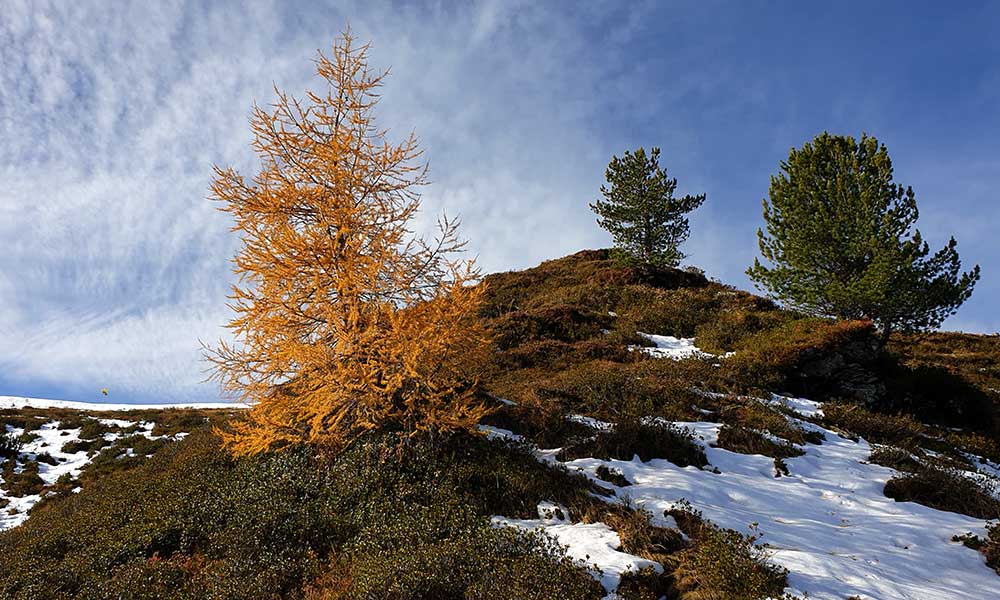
{"type": "Point", "coordinates": [19, 402]}
{"type": "Point", "coordinates": [51, 439]}
{"type": "Point", "coordinates": [590, 544]}
{"type": "Point", "coordinates": [827, 522]}
{"type": "Point", "coordinates": [668, 346]}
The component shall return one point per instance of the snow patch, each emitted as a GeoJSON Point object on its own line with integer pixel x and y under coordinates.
{"type": "Point", "coordinates": [668, 346]}
{"type": "Point", "coordinates": [827, 522]}
{"type": "Point", "coordinates": [18, 402]}
{"type": "Point", "coordinates": [50, 439]}
{"type": "Point", "coordinates": [593, 545]}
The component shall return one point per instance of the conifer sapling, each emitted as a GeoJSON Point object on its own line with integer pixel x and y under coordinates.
{"type": "Point", "coordinates": [639, 209]}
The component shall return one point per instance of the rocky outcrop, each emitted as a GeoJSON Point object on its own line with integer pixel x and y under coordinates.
{"type": "Point", "coordinates": [848, 371]}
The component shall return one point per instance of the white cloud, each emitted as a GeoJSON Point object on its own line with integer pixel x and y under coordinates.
{"type": "Point", "coordinates": [114, 264]}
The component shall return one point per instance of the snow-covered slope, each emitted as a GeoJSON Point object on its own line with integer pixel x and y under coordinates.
{"type": "Point", "coordinates": [52, 440]}
{"type": "Point", "coordinates": [828, 521]}
{"type": "Point", "coordinates": [19, 402]}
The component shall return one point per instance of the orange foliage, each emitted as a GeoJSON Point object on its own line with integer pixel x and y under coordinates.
{"type": "Point", "coordinates": [345, 321]}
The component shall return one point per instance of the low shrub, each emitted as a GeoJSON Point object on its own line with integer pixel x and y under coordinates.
{"type": "Point", "coordinates": [727, 565]}
{"type": "Point", "coordinates": [755, 415]}
{"type": "Point", "coordinates": [93, 429]}
{"type": "Point", "coordinates": [465, 559]}
{"type": "Point", "coordinates": [676, 312]}
{"type": "Point", "coordinates": [28, 437]}
{"type": "Point", "coordinates": [16, 418]}
{"type": "Point", "coordinates": [647, 440]}
{"type": "Point", "coordinates": [121, 455]}
{"type": "Point", "coordinates": [555, 355]}
{"type": "Point", "coordinates": [46, 458]}
{"type": "Point", "coordinates": [774, 359]}
{"type": "Point", "coordinates": [992, 547]}
{"type": "Point", "coordinates": [989, 547]}
{"type": "Point", "coordinates": [945, 489]}
{"type": "Point", "coordinates": [25, 483]}
{"type": "Point", "coordinates": [974, 443]}
{"type": "Point", "coordinates": [727, 331]}
{"type": "Point", "coordinates": [899, 430]}
{"type": "Point", "coordinates": [612, 475]}
{"type": "Point", "coordinates": [615, 391]}
{"type": "Point", "coordinates": [543, 422]}
{"type": "Point", "coordinates": [894, 458]}
{"type": "Point", "coordinates": [86, 445]}
{"type": "Point", "coordinates": [566, 323]}
{"type": "Point", "coordinates": [638, 534]}
{"type": "Point", "coordinates": [174, 421]}
{"type": "Point", "coordinates": [193, 523]}
{"type": "Point", "coordinates": [750, 441]}
{"type": "Point", "coordinates": [947, 378]}
{"type": "Point", "coordinates": [10, 445]}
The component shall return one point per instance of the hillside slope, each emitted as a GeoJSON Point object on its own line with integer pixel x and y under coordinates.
{"type": "Point", "coordinates": [651, 438]}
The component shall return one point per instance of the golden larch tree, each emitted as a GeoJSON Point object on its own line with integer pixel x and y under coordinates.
{"type": "Point", "coordinates": [345, 321]}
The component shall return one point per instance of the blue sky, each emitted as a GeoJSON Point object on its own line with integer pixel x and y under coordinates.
{"type": "Point", "coordinates": [113, 265]}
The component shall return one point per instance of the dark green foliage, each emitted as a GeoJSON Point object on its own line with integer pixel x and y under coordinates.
{"type": "Point", "coordinates": [609, 390]}
{"type": "Point", "coordinates": [93, 429]}
{"type": "Point", "coordinates": [947, 489]}
{"type": "Point", "coordinates": [193, 523]}
{"type": "Point", "coordinates": [899, 430]}
{"type": "Point", "coordinates": [749, 441]}
{"type": "Point", "coordinates": [757, 416]}
{"type": "Point", "coordinates": [723, 564]}
{"type": "Point", "coordinates": [726, 332]}
{"type": "Point", "coordinates": [639, 209]}
{"type": "Point", "coordinates": [14, 418]}
{"type": "Point", "coordinates": [46, 458]}
{"type": "Point", "coordinates": [25, 483]}
{"type": "Point", "coordinates": [935, 395]}
{"type": "Point", "coordinates": [564, 323]}
{"type": "Point", "coordinates": [612, 475]}
{"type": "Point", "coordinates": [840, 239]}
{"type": "Point", "coordinates": [86, 445]}
{"type": "Point", "coordinates": [10, 445]}
{"type": "Point", "coordinates": [116, 456]}
{"type": "Point", "coordinates": [731, 565]}
{"type": "Point", "coordinates": [894, 458]}
{"type": "Point", "coordinates": [647, 440]}
{"type": "Point", "coordinates": [785, 357]}
{"type": "Point", "coordinates": [992, 547]}
{"type": "Point", "coordinates": [471, 560]}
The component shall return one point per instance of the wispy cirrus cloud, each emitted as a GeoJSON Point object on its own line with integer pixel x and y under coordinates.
{"type": "Point", "coordinates": [114, 265]}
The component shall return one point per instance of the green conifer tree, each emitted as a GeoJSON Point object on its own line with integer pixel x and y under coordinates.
{"type": "Point", "coordinates": [639, 210]}
{"type": "Point", "coordinates": [841, 242]}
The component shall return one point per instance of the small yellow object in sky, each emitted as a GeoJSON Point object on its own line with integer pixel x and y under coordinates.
{"type": "Point", "coordinates": [104, 391]}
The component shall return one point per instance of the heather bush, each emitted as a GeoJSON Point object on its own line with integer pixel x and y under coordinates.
{"type": "Point", "coordinates": [724, 564]}
{"type": "Point", "coordinates": [899, 430]}
{"type": "Point", "coordinates": [645, 439]}
{"type": "Point", "coordinates": [947, 489]}
{"type": "Point", "coordinates": [10, 445]}
{"type": "Point", "coordinates": [749, 441]}
{"type": "Point", "coordinates": [191, 522]}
